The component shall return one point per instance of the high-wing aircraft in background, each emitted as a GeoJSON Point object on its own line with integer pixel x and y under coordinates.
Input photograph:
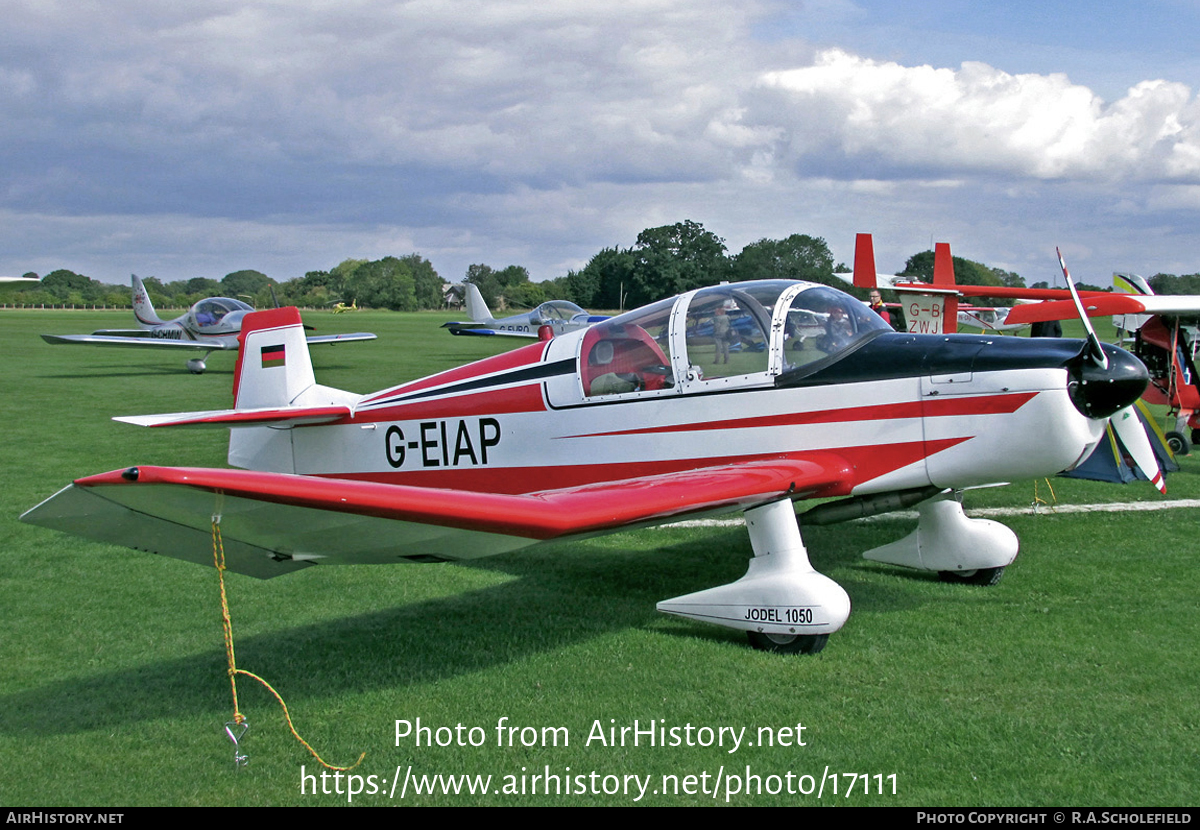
{"type": "Point", "coordinates": [1165, 337]}
{"type": "Point", "coordinates": [931, 308]}
{"type": "Point", "coordinates": [633, 421]}
{"type": "Point", "coordinates": [560, 315]}
{"type": "Point", "coordinates": [208, 326]}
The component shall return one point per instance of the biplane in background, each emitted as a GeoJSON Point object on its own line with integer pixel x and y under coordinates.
{"type": "Point", "coordinates": [213, 324]}
{"type": "Point", "coordinates": [630, 422]}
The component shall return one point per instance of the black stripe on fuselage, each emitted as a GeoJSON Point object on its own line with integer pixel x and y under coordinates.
{"type": "Point", "coordinates": [895, 355]}
{"type": "Point", "coordinates": [526, 374]}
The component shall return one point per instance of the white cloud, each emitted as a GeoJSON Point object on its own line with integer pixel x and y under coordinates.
{"type": "Point", "coordinates": [289, 135]}
{"type": "Point", "coordinates": [979, 118]}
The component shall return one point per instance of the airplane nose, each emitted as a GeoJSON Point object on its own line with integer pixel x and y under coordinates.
{"type": "Point", "coordinates": [1098, 392]}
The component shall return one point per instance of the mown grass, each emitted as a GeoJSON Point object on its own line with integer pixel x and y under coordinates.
{"type": "Point", "coordinates": [1070, 683]}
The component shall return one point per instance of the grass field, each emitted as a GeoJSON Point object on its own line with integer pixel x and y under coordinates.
{"type": "Point", "coordinates": [1072, 683]}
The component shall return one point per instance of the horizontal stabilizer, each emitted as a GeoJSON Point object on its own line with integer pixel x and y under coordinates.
{"type": "Point", "coordinates": [341, 338]}
{"type": "Point", "coordinates": [293, 416]}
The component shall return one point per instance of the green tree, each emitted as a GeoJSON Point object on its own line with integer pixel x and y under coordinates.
{"type": "Point", "coordinates": [428, 285]}
{"type": "Point", "coordinates": [62, 283]}
{"type": "Point", "coordinates": [798, 257]}
{"type": "Point", "coordinates": [385, 283]}
{"type": "Point", "coordinates": [966, 272]}
{"type": "Point", "coordinates": [676, 258]}
{"type": "Point", "coordinates": [604, 282]}
{"type": "Point", "coordinates": [248, 283]}
{"type": "Point", "coordinates": [484, 278]}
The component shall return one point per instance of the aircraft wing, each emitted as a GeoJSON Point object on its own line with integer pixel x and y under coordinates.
{"type": "Point", "coordinates": [273, 523]}
{"type": "Point", "coordinates": [341, 338]}
{"type": "Point", "coordinates": [139, 339]}
{"type": "Point", "coordinates": [1105, 305]}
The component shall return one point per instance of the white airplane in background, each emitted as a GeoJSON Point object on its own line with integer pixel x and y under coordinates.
{"type": "Point", "coordinates": [210, 325]}
{"type": "Point", "coordinates": [560, 315]}
{"type": "Point", "coordinates": [631, 422]}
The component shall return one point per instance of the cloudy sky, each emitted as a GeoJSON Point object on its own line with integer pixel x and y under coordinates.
{"type": "Point", "coordinates": [195, 139]}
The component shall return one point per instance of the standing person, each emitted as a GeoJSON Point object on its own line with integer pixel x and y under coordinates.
{"type": "Point", "coordinates": [1050, 328]}
{"type": "Point", "coordinates": [721, 335]}
{"type": "Point", "coordinates": [879, 308]}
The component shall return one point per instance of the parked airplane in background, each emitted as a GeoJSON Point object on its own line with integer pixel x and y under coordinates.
{"type": "Point", "coordinates": [1165, 331]}
{"type": "Point", "coordinates": [560, 315]}
{"type": "Point", "coordinates": [933, 308]}
{"type": "Point", "coordinates": [987, 319]}
{"type": "Point", "coordinates": [210, 325]}
{"type": "Point", "coordinates": [638, 420]}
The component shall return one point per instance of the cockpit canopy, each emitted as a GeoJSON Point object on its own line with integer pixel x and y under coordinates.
{"type": "Point", "coordinates": [213, 312]}
{"type": "Point", "coordinates": [555, 311]}
{"type": "Point", "coordinates": [729, 335]}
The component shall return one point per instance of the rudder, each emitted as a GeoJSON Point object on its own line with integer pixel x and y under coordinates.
{"type": "Point", "coordinates": [273, 365]}
{"type": "Point", "coordinates": [143, 309]}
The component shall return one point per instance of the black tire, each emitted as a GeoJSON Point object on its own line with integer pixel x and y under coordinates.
{"type": "Point", "coordinates": [1179, 443]}
{"type": "Point", "coordinates": [1195, 436]}
{"type": "Point", "coordinates": [983, 576]}
{"type": "Point", "coordinates": [788, 643]}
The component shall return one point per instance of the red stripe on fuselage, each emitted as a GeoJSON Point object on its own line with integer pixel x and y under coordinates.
{"type": "Point", "coordinates": [866, 463]}
{"type": "Point", "coordinates": [931, 408]}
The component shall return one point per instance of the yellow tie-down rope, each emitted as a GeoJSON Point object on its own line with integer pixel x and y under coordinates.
{"type": "Point", "coordinates": [1038, 500]}
{"type": "Point", "coordinates": [227, 624]}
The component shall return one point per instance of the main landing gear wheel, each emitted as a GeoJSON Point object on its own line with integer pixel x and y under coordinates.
{"type": "Point", "coordinates": [196, 366]}
{"type": "Point", "coordinates": [1178, 443]}
{"type": "Point", "coordinates": [982, 576]}
{"type": "Point", "coordinates": [788, 643]}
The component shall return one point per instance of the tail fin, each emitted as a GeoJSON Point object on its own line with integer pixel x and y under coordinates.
{"type": "Point", "coordinates": [943, 265]}
{"type": "Point", "coordinates": [273, 366]}
{"type": "Point", "coordinates": [143, 309]}
{"type": "Point", "coordinates": [1131, 284]}
{"type": "Point", "coordinates": [476, 307]}
{"type": "Point", "coordinates": [864, 261]}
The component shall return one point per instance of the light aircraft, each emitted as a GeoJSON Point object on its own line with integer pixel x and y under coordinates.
{"type": "Point", "coordinates": [1165, 330]}
{"type": "Point", "coordinates": [627, 423]}
{"type": "Point", "coordinates": [560, 315]}
{"type": "Point", "coordinates": [210, 325]}
{"type": "Point", "coordinates": [933, 308]}
{"type": "Point", "coordinates": [987, 319]}
{"type": "Point", "coordinates": [340, 307]}
{"type": "Point", "coordinates": [18, 281]}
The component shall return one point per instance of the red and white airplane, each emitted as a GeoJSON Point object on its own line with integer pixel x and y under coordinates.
{"type": "Point", "coordinates": [638, 420]}
{"type": "Point", "coordinates": [210, 325]}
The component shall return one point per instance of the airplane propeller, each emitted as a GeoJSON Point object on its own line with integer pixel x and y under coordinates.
{"type": "Point", "coordinates": [1124, 421]}
{"type": "Point", "coordinates": [1094, 347]}
{"type": "Point", "coordinates": [1133, 436]}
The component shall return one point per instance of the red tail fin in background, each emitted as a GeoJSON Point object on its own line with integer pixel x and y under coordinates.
{"type": "Point", "coordinates": [943, 265]}
{"type": "Point", "coordinates": [864, 261]}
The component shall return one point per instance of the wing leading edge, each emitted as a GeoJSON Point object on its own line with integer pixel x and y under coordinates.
{"type": "Point", "coordinates": [143, 340]}
{"type": "Point", "coordinates": [274, 523]}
